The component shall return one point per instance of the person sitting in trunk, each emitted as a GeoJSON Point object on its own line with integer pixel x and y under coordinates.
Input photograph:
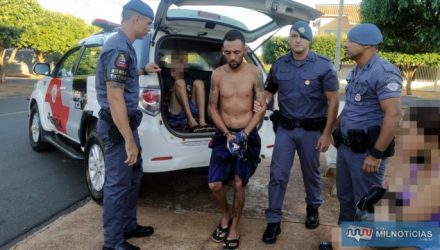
{"type": "Point", "coordinates": [187, 104]}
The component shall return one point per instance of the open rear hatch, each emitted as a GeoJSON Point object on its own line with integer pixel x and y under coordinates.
{"type": "Point", "coordinates": [215, 17]}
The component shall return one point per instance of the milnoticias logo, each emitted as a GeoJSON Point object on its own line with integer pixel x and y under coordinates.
{"type": "Point", "coordinates": [390, 234]}
{"type": "Point", "coordinates": [359, 233]}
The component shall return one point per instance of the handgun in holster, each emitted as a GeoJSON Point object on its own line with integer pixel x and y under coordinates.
{"type": "Point", "coordinates": [275, 118]}
{"type": "Point", "coordinates": [114, 135]}
{"type": "Point", "coordinates": [358, 140]}
{"type": "Point", "coordinates": [372, 134]}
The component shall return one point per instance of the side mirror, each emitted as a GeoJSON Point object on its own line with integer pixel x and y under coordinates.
{"type": "Point", "coordinates": [41, 69]}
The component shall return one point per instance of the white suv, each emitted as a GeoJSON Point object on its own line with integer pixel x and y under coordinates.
{"type": "Point", "coordinates": [63, 107]}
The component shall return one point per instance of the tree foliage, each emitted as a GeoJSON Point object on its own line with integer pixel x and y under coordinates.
{"type": "Point", "coordinates": [24, 15]}
{"type": "Point", "coordinates": [408, 26]}
{"type": "Point", "coordinates": [409, 63]}
{"type": "Point", "coordinates": [411, 28]}
{"type": "Point", "coordinates": [8, 36]}
{"type": "Point", "coordinates": [274, 48]}
{"type": "Point", "coordinates": [326, 46]}
{"type": "Point", "coordinates": [44, 31]}
{"type": "Point", "coordinates": [58, 32]}
{"type": "Point", "coordinates": [278, 46]}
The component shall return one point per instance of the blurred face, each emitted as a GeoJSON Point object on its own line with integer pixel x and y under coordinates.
{"type": "Point", "coordinates": [353, 50]}
{"type": "Point", "coordinates": [179, 61]}
{"type": "Point", "coordinates": [419, 157]}
{"type": "Point", "coordinates": [298, 45]}
{"type": "Point", "coordinates": [142, 24]}
{"type": "Point", "coordinates": [233, 52]}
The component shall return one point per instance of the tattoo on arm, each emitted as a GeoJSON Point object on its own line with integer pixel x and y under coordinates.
{"type": "Point", "coordinates": [213, 94]}
{"type": "Point", "coordinates": [259, 87]}
{"type": "Point", "coordinates": [115, 85]}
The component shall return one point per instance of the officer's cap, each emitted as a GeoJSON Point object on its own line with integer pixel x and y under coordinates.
{"type": "Point", "coordinates": [365, 34]}
{"type": "Point", "coordinates": [139, 7]}
{"type": "Point", "coordinates": [303, 29]}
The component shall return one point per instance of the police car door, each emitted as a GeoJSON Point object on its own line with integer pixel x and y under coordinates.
{"type": "Point", "coordinates": [59, 92]}
{"type": "Point", "coordinates": [85, 69]}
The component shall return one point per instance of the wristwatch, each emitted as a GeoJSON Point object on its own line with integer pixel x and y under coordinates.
{"type": "Point", "coordinates": [376, 153]}
{"type": "Point", "coordinates": [145, 71]}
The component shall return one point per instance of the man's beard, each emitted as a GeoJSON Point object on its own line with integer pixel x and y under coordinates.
{"type": "Point", "coordinates": [234, 64]}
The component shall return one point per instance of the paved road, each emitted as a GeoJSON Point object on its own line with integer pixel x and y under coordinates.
{"type": "Point", "coordinates": [33, 186]}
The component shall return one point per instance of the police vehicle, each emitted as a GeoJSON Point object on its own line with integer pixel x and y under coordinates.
{"type": "Point", "coordinates": [63, 109]}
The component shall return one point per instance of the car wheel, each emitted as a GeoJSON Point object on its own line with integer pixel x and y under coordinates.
{"type": "Point", "coordinates": [94, 167]}
{"type": "Point", "coordinates": [36, 132]}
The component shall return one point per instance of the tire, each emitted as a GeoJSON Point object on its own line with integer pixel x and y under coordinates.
{"type": "Point", "coordinates": [36, 132]}
{"type": "Point", "coordinates": [95, 167]}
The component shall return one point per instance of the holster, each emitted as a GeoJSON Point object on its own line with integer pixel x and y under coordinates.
{"type": "Point", "coordinates": [114, 135]}
{"type": "Point", "coordinates": [275, 118]}
{"type": "Point", "coordinates": [314, 123]}
{"type": "Point", "coordinates": [358, 140]}
{"type": "Point", "coordinates": [373, 134]}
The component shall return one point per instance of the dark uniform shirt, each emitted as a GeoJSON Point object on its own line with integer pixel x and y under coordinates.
{"type": "Point", "coordinates": [366, 87]}
{"type": "Point", "coordinates": [301, 85]}
{"type": "Point", "coordinates": [118, 63]}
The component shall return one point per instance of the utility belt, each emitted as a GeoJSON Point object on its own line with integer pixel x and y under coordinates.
{"type": "Point", "coordinates": [307, 124]}
{"type": "Point", "coordinates": [113, 132]}
{"type": "Point", "coordinates": [360, 141]}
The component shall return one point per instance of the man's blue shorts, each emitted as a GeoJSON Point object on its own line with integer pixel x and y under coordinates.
{"type": "Point", "coordinates": [180, 120]}
{"type": "Point", "coordinates": [223, 166]}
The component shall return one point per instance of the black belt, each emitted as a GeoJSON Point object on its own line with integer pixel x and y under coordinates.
{"type": "Point", "coordinates": [307, 124]}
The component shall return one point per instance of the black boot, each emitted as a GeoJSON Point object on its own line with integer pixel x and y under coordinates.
{"type": "Point", "coordinates": [312, 220]}
{"type": "Point", "coordinates": [271, 233]}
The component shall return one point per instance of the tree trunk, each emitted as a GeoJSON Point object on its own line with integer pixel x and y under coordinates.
{"type": "Point", "coordinates": [12, 57]}
{"type": "Point", "coordinates": [408, 87]}
{"type": "Point", "coordinates": [2, 68]}
{"type": "Point", "coordinates": [408, 73]}
{"type": "Point", "coordinates": [40, 56]}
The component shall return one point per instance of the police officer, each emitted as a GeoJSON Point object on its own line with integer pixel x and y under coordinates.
{"type": "Point", "coordinates": [368, 121]}
{"type": "Point", "coordinates": [117, 89]}
{"type": "Point", "coordinates": [307, 86]}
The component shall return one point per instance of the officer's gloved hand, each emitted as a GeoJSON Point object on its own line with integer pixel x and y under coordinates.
{"type": "Point", "coordinates": [237, 146]}
{"type": "Point", "coordinates": [365, 205]}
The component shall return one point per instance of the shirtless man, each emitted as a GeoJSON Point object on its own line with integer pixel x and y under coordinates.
{"type": "Point", "coordinates": [234, 87]}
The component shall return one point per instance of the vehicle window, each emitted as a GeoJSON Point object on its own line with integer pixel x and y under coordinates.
{"type": "Point", "coordinates": [66, 67]}
{"type": "Point", "coordinates": [87, 63]}
{"type": "Point", "coordinates": [196, 61]}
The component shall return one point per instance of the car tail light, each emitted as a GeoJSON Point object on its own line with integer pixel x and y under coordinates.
{"type": "Point", "coordinates": [149, 100]}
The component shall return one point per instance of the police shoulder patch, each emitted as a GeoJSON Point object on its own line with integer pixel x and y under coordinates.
{"type": "Point", "coordinates": [393, 83]}
{"type": "Point", "coordinates": [393, 86]}
{"type": "Point", "coordinates": [121, 61]}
